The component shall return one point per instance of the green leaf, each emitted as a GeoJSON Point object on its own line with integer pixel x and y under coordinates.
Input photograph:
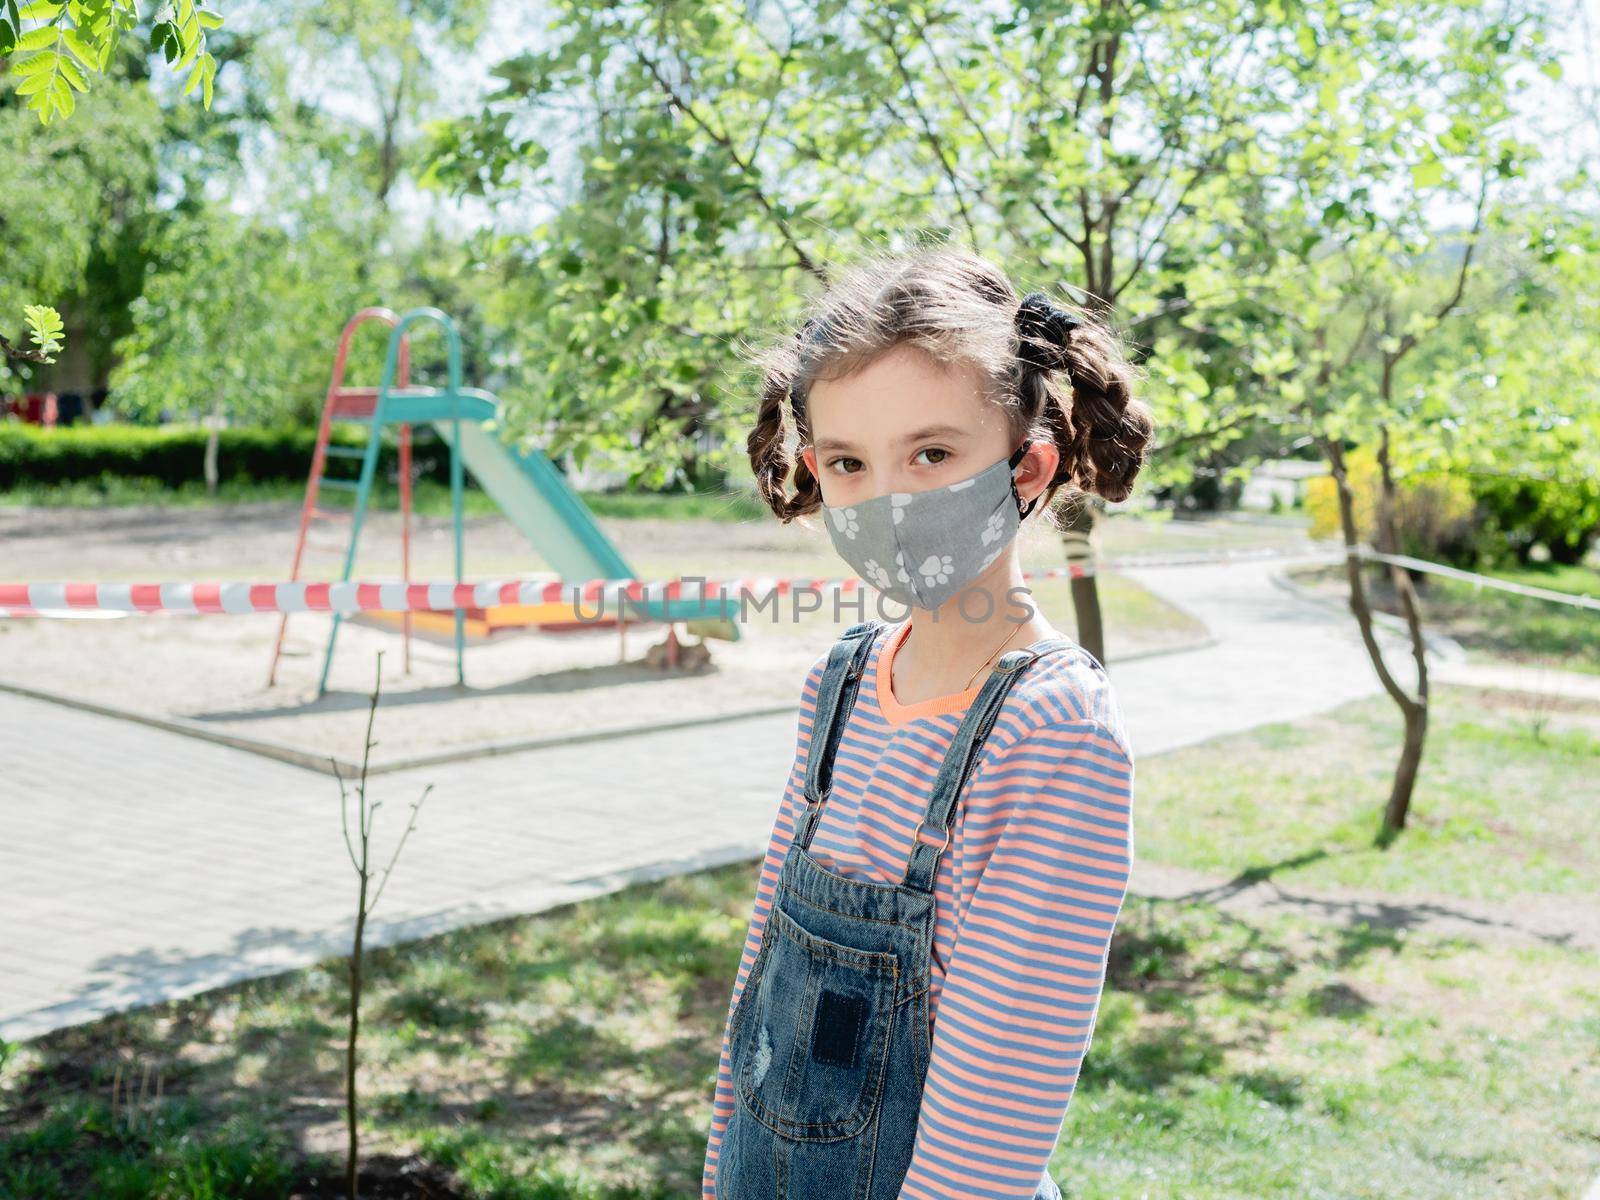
{"type": "Point", "coordinates": [10, 25]}
{"type": "Point", "coordinates": [164, 37]}
{"type": "Point", "coordinates": [44, 326]}
{"type": "Point", "coordinates": [37, 65]}
{"type": "Point", "coordinates": [72, 74]}
{"type": "Point", "coordinates": [34, 83]}
{"type": "Point", "coordinates": [37, 39]}
{"type": "Point", "coordinates": [191, 47]}
{"type": "Point", "coordinates": [41, 10]}
{"type": "Point", "coordinates": [210, 20]}
{"type": "Point", "coordinates": [62, 94]}
{"type": "Point", "coordinates": [1426, 174]}
{"type": "Point", "coordinates": [81, 50]}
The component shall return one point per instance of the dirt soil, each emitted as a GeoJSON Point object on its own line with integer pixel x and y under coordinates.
{"type": "Point", "coordinates": [519, 684]}
{"type": "Point", "coordinates": [380, 1178]}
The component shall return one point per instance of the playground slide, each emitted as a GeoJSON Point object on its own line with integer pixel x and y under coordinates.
{"type": "Point", "coordinates": [537, 499]}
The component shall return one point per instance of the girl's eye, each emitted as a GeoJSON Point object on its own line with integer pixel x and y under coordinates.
{"type": "Point", "coordinates": [835, 463]}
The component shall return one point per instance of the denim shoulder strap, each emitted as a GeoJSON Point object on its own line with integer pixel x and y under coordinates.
{"type": "Point", "coordinates": [922, 863]}
{"type": "Point", "coordinates": [836, 696]}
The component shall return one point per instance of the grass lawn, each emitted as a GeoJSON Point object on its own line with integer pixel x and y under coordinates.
{"type": "Point", "coordinates": [1505, 800]}
{"type": "Point", "coordinates": [1494, 626]}
{"type": "Point", "coordinates": [572, 1054]}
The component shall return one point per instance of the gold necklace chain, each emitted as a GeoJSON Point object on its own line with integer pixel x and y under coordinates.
{"type": "Point", "coordinates": [992, 653]}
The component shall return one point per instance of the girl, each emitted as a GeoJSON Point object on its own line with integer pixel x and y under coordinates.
{"type": "Point", "coordinates": [928, 944]}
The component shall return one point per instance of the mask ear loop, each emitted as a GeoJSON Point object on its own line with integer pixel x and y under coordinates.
{"type": "Point", "coordinates": [1012, 461]}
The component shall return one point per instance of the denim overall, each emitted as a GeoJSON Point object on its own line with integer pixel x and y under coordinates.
{"type": "Point", "coordinates": [829, 1044]}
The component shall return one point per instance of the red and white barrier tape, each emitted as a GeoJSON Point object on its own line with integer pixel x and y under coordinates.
{"type": "Point", "coordinates": [193, 599]}
{"type": "Point", "coordinates": [56, 599]}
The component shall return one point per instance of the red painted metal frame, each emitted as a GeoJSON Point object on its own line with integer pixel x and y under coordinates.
{"type": "Point", "coordinates": [353, 404]}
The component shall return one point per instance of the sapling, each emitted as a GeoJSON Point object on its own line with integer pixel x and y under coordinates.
{"type": "Point", "coordinates": [366, 900]}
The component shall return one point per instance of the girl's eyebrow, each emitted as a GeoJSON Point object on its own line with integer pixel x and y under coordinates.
{"type": "Point", "coordinates": [926, 433]}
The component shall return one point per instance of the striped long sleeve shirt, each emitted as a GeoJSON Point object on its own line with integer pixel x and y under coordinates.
{"type": "Point", "coordinates": [1027, 896]}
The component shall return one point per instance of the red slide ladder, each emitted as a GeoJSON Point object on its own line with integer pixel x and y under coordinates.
{"type": "Point", "coordinates": [352, 404]}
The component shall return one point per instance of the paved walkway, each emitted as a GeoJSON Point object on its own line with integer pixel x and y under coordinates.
{"type": "Point", "coordinates": [138, 865]}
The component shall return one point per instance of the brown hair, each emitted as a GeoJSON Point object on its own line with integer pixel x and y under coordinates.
{"type": "Point", "coordinates": [954, 306]}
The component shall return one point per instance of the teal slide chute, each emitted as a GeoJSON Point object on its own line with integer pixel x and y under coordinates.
{"type": "Point", "coordinates": [538, 500]}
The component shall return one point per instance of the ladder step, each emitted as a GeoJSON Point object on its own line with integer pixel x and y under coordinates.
{"type": "Point", "coordinates": [345, 452]}
{"type": "Point", "coordinates": [349, 485]}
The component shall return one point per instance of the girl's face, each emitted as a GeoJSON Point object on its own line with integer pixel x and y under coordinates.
{"type": "Point", "coordinates": [906, 424]}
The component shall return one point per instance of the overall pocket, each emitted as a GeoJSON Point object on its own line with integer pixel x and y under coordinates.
{"type": "Point", "coordinates": [809, 1054]}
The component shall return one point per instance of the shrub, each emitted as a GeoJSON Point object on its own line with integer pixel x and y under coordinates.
{"type": "Point", "coordinates": [1435, 512]}
{"type": "Point", "coordinates": [1520, 513]}
{"type": "Point", "coordinates": [175, 454]}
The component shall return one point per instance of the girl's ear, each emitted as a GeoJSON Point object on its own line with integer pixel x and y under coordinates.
{"type": "Point", "coordinates": [809, 453]}
{"type": "Point", "coordinates": [1038, 467]}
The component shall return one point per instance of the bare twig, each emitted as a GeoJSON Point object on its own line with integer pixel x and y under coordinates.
{"type": "Point", "coordinates": [360, 849]}
{"type": "Point", "coordinates": [8, 350]}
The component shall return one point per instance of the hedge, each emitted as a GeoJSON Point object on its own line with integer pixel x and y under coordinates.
{"type": "Point", "coordinates": [175, 454]}
{"type": "Point", "coordinates": [1466, 518]}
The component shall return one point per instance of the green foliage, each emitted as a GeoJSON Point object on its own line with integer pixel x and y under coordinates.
{"type": "Point", "coordinates": [1264, 267]}
{"type": "Point", "coordinates": [173, 454]}
{"type": "Point", "coordinates": [1434, 510]}
{"type": "Point", "coordinates": [239, 311]}
{"type": "Point", "coordinates": [1465, 516]}
{"type": "Point", "coordinates": [44, 327]}
{"type": "Point", "coordinates": [1561, 515]}
{"type": "Point", "coordinates": [705, 213]}
{"type": "Point", "coordinates": [240, 316]}
{"type": "Point", "coordinates": [102, 166]}
{"type": "Point", "coordinates": [55, 47]}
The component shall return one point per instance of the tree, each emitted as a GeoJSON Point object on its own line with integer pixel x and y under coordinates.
{"type": "Point", "coordinates": [721, 161]}
{"type": "Point", "coordinates": [1356, 277]}
{"type": "Point", "coordinates": [387, 53]}
{"type": "Point", "coordinates": [238, 317]}
{"type": "Point", "coordinates": [240, 311]}
{"type": "Point", "coordinates": [53, 50]}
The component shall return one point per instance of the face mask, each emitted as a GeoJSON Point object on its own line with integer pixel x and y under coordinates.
{"type": "Point", "coordinates": [921, 548]}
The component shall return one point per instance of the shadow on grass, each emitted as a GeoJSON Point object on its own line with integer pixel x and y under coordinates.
{"type": "Point", "coordinates": [569, 1055]}
{"type": "Point", "coordinates": [572, 1055]}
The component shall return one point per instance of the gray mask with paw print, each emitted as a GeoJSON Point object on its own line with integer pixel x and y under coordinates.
{"type": "Point", "coordinates": [922, 548]}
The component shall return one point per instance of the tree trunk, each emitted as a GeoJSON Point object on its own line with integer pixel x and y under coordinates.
{"type": "Point", "coordinates": [1413, 712]}
{"type": "Point", "coordinates": [213, 441]}
{"type": "Point", "coordinates": [1080, 521]}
